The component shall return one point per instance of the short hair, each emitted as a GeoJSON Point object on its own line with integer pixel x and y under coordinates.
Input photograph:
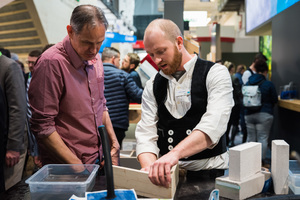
{"type": "Point", "coordinates": [109, 52]}
{"type": "Point", "coordinates": [261, 66]}
{"type": "Point", "coordinates": [134, 59]}
{"type": "Point", "coordinates": [229, 65]}
{"type": "Point", "coordinates": [167, 26]}
{"type": "Point", "coordinates": [240, 68]}
{"type": "Point", "coordinates": [219, 61]}
{"type": "Point", "coordinates": [5, 52]}
{"type": "Point", "coordinates": [260, 56]}
{"type": "Point", "coordinates": [35, 53]}
{"type": "Point", "coordinates": [47, 46]}
{"type": "Point", "coordinates": [87, 14]}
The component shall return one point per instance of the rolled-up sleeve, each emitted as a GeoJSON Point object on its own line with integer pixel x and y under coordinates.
{"type": "Point", "coordinates": [146, 131]}
{"type": "Point", "coordinates": [44, 94]}
{"type": "Point", "coordinates": [220, 102]}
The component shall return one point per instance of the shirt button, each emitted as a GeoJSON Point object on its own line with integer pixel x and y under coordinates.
{"type": "Point", "coordinates": [170, 147]}
{"type": "Point", "coordinates": [93, 99]}
{"type": "Point", "coordinates": [188, 132]}
{"type": "Point", "coordinates": [170, 140]}
{"type": "Point", "coordinates": [170, 132]}
{"type": "Point", "coordinates": [95, 115]}
{"type": "Point", "coordinates": [89, 81]}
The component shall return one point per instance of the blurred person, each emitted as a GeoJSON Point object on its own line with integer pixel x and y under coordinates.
{"type": "Point", "coordinates": [15, 57]}
{"type": "Point", "coordinates": [33, 162]}
{"type": "Point", "coordinates": [66, 94]}
{"type": "Point", "coordinates": [15, 140]}
{"type": "Point", "coordinates": [240, 69]}
{"type": "Point", "coordinates": [239, 73]}
{"type": "Point", "coordinates": [47, 46]}
{"type": "Point", "coordinates": [2, 144]}
{"type": "Point", "coordinates": [111, 56]}
{"type": "Point", "coordinates": [31, 59]}
{"type": "Point", "coordinates": [129, 64]}
{"type": "Point", "coordinates": [245, 78]}
{"type": "Point", "coordinates": [120, 89]}
{"type": "Point", "coordinates": [235, 112]}
{"type": "Point", "coordinates": [5, 52]}
{"type": "Point", "coordinates": [259, 122]}
{"type": "Point", "coordinates": [180, 108]}
{"type": "Point", "coordinates": [251, 70]}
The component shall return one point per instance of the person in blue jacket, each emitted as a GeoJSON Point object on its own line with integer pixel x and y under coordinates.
{"type": "Point", "coordinates": [120, 90]}
{"type": "Point", "coordinates": [259, 122]}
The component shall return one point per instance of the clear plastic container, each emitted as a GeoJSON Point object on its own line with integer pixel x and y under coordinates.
{"type": "Point", "coordinates": [60, 181]}
{"type": "Point", "coordinates": [294, 176]}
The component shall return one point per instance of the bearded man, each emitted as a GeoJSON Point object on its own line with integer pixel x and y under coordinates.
{"type": "Point", "coordinates": [185, 108]}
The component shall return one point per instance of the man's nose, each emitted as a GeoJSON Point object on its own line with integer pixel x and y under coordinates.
{"type": "Point", "coordinates": [157, 60]}
{"type": "Point", "coordinates": [94, 48]}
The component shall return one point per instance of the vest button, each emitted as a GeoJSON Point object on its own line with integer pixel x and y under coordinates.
{"type": "Point", "coordinates": [170, 140]}
{"type": "Point", "coordinates": [170, 132]}
{"type": "Point", "coordinates": [170, 147]}
{"type": "Point", "coordinates": [188, 132]}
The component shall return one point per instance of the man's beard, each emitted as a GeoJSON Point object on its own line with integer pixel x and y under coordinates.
{"type": "Point", "coordinates": [126, 69]}
{"type": "Point", "coordinates": [175, 63]}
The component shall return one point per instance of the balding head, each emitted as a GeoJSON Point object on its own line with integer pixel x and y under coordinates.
{"type": "Point", "coordinates": [169, 29]}
{"type": "Point", "coordinates": [87, 15]}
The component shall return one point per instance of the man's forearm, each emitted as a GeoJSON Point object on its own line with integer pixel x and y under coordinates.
{"type": "Point", "coordinates": [115, 146]}
{"type": "Point", "coordinates": [146, 159]}
{"type": "Point", "coordinates": [58, 149]}
{"type": "Point", "coordinates": [196, 142]}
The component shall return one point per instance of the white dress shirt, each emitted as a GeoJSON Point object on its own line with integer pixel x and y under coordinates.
{"type": "Point", "coordinates": [213, 122]}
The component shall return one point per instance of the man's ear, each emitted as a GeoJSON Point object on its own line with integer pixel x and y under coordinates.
{"type": "Point", "coordinates": [113, 60]}
{"type": "Point", "coordinates": [179, 42]}
{"type": "Point", "coordinates": [70, 31]}
{"type": "Point", "coordinates": [131, 66]}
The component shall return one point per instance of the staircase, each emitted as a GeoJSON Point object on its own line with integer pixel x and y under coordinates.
{"type": "Point", "coordinates": [20, 28]}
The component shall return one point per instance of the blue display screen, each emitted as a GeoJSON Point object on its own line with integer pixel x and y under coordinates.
{"type": "Point", "coordinates": [260, 11]}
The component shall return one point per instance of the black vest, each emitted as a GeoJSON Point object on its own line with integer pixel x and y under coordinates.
{"type": "Point", "coordinates": [171, 130]}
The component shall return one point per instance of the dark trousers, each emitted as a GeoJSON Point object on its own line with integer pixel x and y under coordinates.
{"type": "Point", "coordinates": [211, 173]}
{"type": "Point", "coordinates": [120, 133]}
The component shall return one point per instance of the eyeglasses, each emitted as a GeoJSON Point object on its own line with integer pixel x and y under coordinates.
{"type": "Point", "coordinates": [30, 62]}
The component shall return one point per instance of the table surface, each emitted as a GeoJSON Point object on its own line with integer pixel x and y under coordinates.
{"type": "Point", "coordinates": [291, 104]}
{"type": "Point", "coordinates": [186, 189]}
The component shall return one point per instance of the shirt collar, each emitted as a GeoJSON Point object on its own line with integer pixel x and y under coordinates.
{"type": "Point", "coordinates": [190, 64]}
{"type": "Point", "coordinates": [75, 59]}
{"type": "Point", "coordinates": [187, 66]}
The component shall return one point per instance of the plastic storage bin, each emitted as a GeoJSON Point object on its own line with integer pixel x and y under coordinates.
{"type": "Point", "coordinates": [294, 176]}
{"type": "Point", "coordinates": [60, 181]}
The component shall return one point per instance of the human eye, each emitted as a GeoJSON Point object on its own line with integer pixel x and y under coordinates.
{"type": "Point", "coordinates": [161, 51]}
{"type": "Point", "coordinates": [151, 55]}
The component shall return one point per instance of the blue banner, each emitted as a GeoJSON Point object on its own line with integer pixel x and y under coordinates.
{"type": "Point", "coordinates": [111, 37]}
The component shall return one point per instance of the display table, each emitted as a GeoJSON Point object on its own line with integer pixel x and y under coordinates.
{"type": "Point", "coordinates": [291, 104]}
{"type": "Point", "coordinates": [199, 188]}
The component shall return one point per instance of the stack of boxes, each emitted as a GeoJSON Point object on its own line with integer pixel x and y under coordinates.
{"type": "Point", "coordinates": [245, 178]}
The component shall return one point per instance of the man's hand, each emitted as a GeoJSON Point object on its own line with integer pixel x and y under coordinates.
{"type": "Point", "coordinates": [37, 161]}
{"type": "Point", "coordinates": [160, 170]}
{"type": "Point", "coordinates": [12, 158]}
{"type": "Point", "coordinates": [115, 153]}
